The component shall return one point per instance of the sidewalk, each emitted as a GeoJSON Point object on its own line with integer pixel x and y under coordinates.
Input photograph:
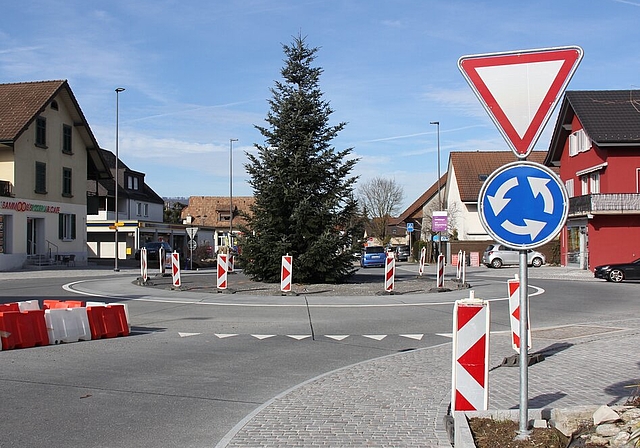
{"type": "Point", "coordinates": [401, 399]}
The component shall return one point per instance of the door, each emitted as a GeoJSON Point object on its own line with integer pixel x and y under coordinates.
{"type": "Point", "coordinates": [32, 236]}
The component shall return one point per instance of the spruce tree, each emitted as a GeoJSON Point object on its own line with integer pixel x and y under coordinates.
{"type": "Point", "coordinates": [303, 188]}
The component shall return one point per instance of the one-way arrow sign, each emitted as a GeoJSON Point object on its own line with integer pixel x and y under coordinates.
{"type": "Point", "coordinates": [519, 90]}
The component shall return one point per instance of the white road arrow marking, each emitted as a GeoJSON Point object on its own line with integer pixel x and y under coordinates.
{"type": "Point", "coordinates": [186, 335]}
{"type": "Point", "coordinates": [299, 337]}
{"type": "Point", "coordinates": [263, 336]}
{"type": "Point", "coordinates": [539, 187]}
{"type": "Point", "coordinates": [498, 202]}
{"type": "Point", "coordinates": [338, 337]}
{"type": "Point", "coordinates": [377, 337]}
{"type": "Point", "coordinates": [530, 227]}
{"type": "Point", "coordinates": [225, 335]}
{"type": "Point", "coordinates": [417, 337]}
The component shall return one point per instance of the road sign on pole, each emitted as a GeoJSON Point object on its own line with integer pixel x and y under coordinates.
{"type": "Point", "coordinates": [191, 231]}
{"type": "Point", "coordinates": [523, 205]}
{"type": "Point", "coordinates": [520, 89]}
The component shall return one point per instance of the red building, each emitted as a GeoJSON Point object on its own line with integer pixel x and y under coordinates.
{"type": "Point", "coordinates": [596, 144]}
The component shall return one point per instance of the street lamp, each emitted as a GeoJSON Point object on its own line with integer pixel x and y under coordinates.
{"type": "Point", "coordinates": [437, 123]}
{"type": "Point", "coordinates": [231, 140]}
{"type": "Point", "coordinates": [115, 223]}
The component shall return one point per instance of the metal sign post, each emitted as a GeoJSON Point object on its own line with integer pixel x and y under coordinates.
{"type": "Point", "coordinates": [522, 205]}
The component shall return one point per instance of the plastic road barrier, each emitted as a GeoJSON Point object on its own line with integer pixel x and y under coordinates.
{"type": "Point", "coordinates": [389, 272]}
{"type": "Point", "coordinates": [440, 272]}
{"type": "Point", "coordinates": [222, 271]}
{"type": "Point", "coordinates": [175, 269]}
{"type": "Point", "coordinates": [470, 370]}
{"type": "Point", "coordinates": [423, 258]}
{"type": "Point", "coordinates": [144, 266]}
{"type": "Point", "coordinates": [286, 272]}
{"type": "Point", "coordinates": [513, 286]}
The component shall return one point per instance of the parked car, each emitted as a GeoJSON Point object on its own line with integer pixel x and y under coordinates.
{"type": "Point", "coordinates": [402, 252]}
{"type": "Point", "coordinates": [153, 251]}
{"type": "Point", "coordinates": [373, 256]}
{"type": "Point", "coordinates": [498, 255]}
{"type": "Point", "coordinates": [619, 271]}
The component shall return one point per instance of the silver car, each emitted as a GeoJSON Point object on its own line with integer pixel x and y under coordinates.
{"type": "Point", "coordinates": [498, 255]}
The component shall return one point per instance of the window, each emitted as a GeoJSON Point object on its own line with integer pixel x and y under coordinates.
{"type": "Point", "coordinates": [66, 182]}
{"type": "Point", "coordinates": [54, 105]}
{"type": "Point", "coordinates": [594, 184]}
{"type": "Point", "coordinates": [41, 132]}
{"type": "Point", "coordinates": [142, 209]}
{"type": "Point", "coordinates": [569, 185]}
{"type": "Point", "coordinates": [41, 177]}
{"type": "Point", "coordinates": [66, 139]}
{"type": "Point", "coordinates": [132, 182]}
{"type": "Point", "coordinates": [579, 141]}
{"type": "Point", "coordinates": [66, 226]}
{"type": "Point", "coordinates": [584, 182]}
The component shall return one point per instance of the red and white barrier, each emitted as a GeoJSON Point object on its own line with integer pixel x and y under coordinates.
{"type": "Point", "coordinates": [60, 321]}
{"type": "Point", "coordinates": [230, 264]}
{"type": "Point", "coordinates": [286, 271]}
{"type": "Point", "coordinates": [389, 273]}
{"type": "Point", "coordinates": [423, 258]}
{"type": "Point", "coordinates": [470, 370]}
{"type": "Point", "coordinates": [222, 271]}
{"type": "Point", "coordinates": [440, 272]}
{"type": "Point", "coordinates": [175, 269]}
{"type": "Point", "coordinates": [458, 265]}
{"type": "Point", "coordinates": [513, 286]}
{"type": "Point", "coordinates": [144, 264]}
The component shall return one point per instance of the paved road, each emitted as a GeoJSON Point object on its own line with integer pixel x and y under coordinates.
{"type": "Point", "coordinates": [393, 400]}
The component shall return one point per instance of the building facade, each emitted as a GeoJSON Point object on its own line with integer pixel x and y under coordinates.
{"type": "Point", "coordinates": [596, 145]}
{"type": "Point", "coordinates": [47, 153]}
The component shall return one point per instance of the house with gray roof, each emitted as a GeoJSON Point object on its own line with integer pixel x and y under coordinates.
{"type": "Point", "coordinates": [596, 146]}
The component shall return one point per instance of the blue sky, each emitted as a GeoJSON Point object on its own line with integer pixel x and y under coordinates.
{"type": "Point", "coordinates": [198, 73]}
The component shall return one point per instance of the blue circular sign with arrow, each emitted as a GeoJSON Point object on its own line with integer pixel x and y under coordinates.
{"type": "Point", "coordinates": [523, 205]}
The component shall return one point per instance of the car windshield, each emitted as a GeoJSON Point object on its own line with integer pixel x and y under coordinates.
{"type": "Point", "coordinates": [374, 250]}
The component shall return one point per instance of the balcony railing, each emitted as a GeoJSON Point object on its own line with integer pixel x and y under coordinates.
{"type": "Point", "coordinates": [611, 204]}
{"type": "Point", "coordinates": [6, 188]}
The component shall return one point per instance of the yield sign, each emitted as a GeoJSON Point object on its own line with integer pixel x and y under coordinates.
{"type": "Point", "coordinates": [519, 90]}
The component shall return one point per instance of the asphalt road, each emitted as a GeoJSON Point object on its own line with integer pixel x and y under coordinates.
{"type": "Point", "coordinates": [197, 363]}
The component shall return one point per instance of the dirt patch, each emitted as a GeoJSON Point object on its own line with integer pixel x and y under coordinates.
{"type": "Point", "coordinates": [489, 433]}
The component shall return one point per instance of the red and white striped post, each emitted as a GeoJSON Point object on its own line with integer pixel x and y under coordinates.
{"type": "Point", "coordinates": [230, 263]}
{"type": "Point", "coordinates": [423, 258]}
{"type": "Point", "coordinates": [143, 265]}
{"type": "Point", "coordinates": [470, 370]}
{"type": "Point", "coordinates": [513, 286]}
{"type": "Point", "coordinates": [175, 269]}
{"type": "Point", "coordinates": [222, 271]}
{"type": "Point", "coordinates": [459, 265]}
{"type": "Point", "coordinates": [286, 271]}
{"type": "Point", "coordinates": [440, 272]}
{"type": "Point", "coordinates": [389, 272]}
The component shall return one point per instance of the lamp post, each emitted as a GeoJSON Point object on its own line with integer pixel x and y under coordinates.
{"type": "Point", "coordinates": [231, 140]}
{"type": "Point", "coordinates": [115, 223]}
{"type": "Point", "coordinates": [437, 123]}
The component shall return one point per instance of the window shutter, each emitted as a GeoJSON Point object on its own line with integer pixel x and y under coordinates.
{"type": "Point", "coordinates": [73, 226]}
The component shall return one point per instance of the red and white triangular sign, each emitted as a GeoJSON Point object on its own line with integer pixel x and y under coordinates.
{"type": "Point", "coordinates": [520, 89]}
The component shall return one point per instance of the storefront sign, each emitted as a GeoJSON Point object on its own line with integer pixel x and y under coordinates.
{"type": "Point", "coordinates": [21, 206]}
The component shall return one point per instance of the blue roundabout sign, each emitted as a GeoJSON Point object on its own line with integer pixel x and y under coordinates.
{"type": "Point", "coordinates": [523, 205]}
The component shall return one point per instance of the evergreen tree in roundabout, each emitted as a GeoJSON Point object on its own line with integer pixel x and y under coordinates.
{"type": "Point", "coordinates": [303, 187]}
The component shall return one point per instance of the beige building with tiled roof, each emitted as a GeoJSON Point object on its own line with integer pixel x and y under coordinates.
{"type": "Point", "coordinates": [47, 154]}
{"type": "Point", "coordinates": [211, 214]}
{"type": "Point", "coordinates": [467, 172]}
